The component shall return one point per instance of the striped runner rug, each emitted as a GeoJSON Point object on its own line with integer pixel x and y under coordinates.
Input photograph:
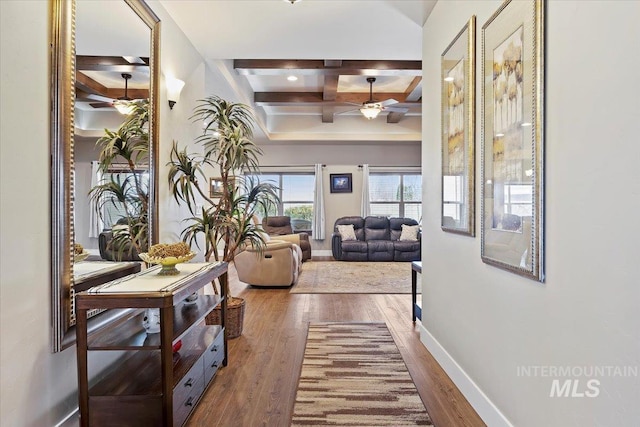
{"type": "Point", "coordinates": [353, 375]}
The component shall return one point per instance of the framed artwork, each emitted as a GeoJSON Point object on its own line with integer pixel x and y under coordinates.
{"type": "Point", "coordinates": [340, 183]}
{"type": "Point", "coordinates": [215, 186]}
{"type": "Point", "coordinates": [512, 138]}
{"type": "Point", "coordinates": [458, 132]}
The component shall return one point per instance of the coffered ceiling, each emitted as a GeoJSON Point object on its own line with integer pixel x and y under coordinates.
{"type": "Point", "coordinates": [252, 46]}
{"type": "Point", "coordinates": [332, 46]}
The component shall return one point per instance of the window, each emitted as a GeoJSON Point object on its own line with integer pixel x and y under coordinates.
{"type": "Point", "coordinates": [296, 197]}
{"type": "Point", "coordinates": [518, 199]}
{"type": "Point", "coordinates": [396, 195]}
{"type": "Point", "coordinates": [113, 209]}
{"type": "Point", "coordinates": [453, 196]}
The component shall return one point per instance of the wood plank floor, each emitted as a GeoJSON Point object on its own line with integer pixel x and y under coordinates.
{"type": "Point", "coordinates": [258, 386]}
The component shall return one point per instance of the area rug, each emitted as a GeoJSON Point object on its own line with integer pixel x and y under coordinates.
{"type": "Point", "coordinates": [353, 375]}
{"type": "Point", "coordinates": [341, 277]}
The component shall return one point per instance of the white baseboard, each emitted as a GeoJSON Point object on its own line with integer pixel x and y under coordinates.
{"type": "Point", "coordinates": [71, 420]}
{"type": "Point", "coordinates": [321, 253]}
{"type": "Point", "coordinates": [489, 413]}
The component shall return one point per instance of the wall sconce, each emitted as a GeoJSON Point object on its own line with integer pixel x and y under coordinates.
{"type": "Point", "coordinates": [174, 87]}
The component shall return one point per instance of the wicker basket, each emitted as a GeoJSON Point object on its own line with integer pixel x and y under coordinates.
{"type": "Point", "coordinates": [235, 317]}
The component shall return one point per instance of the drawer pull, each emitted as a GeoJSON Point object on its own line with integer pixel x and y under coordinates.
{"type": "Point", "coordinates": [189, 401]}
{"type": "Point", "coordinates": [214, 348]}
{"type": "Point", "coordinates": [189, 382]}
{"type": "Point", "coordinates": [215, 365]}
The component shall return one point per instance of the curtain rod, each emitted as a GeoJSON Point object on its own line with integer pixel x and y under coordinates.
{"type": "Point", "coordinates": [397, 167]}
{"type": "Point", "coordinates": [289, 166]}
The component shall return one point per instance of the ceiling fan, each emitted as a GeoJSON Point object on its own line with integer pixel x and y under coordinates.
{"type": "Point", "coordinates": [371, 108]}
{"type": "Point", "coordinates": [123, 103]}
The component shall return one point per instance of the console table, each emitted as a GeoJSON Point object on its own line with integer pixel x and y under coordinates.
{"type": "Point", "coordinates": [151, 385]}
{"type": "Point", "coordinates": [416, 309]}
{"type": "Point", "coordinates": [87, 274]}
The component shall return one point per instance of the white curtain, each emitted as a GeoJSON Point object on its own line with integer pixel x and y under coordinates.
{"type": "Point", "coordinates": [318, 205]}
{"type": "Point", "coordinates": [365, 208]}
{"type": "Point", "coordinates": [95, 222]}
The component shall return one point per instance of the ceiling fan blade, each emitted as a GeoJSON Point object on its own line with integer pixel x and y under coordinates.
{"type": "Point", "coordinates": [388, 102]}
{"type": "Point", "coordinates": [101, 98]}
{"type": "Point", "coordinates": [396, 109]}
{"type": "Point", "coordinates": [351, 110]}
{"type": "Point", "coordinates": [101, 104]}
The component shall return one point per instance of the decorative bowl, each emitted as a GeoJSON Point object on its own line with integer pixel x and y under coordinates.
{"type": "Point", "coordinates": [168, 263]}
{"type": "Point", "coordinates": [80, 257]}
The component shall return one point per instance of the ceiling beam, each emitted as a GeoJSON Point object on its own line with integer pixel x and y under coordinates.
{"type": "Point", "coordinates": [276, 98]}
{"type": "Point", "coordinates": [414, 91]}
{"type": "Point", "coordinates": [327, 113]}
{"type": "Point", "coordinates": [332, 63]}
{"type": "Point", "coordinates": [330, 92]}
{"type": "Point", "coordinates": [330, 88]}
{"type": "Point", "coordinates": [108, 63]}
{"type": "Point", "coordinates": [319, 67]}
{"type": "Point", "coordinates": [90, 86]}
{"type": "Point", "coordinates": [395, 116]}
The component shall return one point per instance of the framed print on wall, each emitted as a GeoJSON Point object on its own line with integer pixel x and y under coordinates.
{"type": "Point", "coordinates": [215, 186]}
{"type": "Point", "coordinates": [458, 132]}
{"type": "Point", "coordinates": [340, 183]}
{"type": "Point", "coordinates": [512, 138]}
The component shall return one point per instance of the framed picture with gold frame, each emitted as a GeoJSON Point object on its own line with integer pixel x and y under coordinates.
{"type": "Point", "coordinates": [458, 132]}
{"type": "Point", "coordinates": [512, 138]}
{"type": "Point", "coordinates": [215, 186]}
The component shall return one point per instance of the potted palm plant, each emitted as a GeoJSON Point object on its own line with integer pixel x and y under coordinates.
{"type": "Point", "coordinates": [225, 222]}
{"type": "Point", "coordinates": [127, 190]}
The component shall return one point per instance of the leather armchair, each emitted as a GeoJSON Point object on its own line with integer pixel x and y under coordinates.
{"type": "Point", "coordinates": [279, 228]}
{"type": "Point", "coordinates": [278, 265]}
{"type": "Point", "coordinates": [108, 253]}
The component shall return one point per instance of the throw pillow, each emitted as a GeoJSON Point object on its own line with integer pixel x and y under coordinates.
{"type": "Point", "coordinates": [347, 232]}
{"type": "Point", "coordinates": [409, 233]}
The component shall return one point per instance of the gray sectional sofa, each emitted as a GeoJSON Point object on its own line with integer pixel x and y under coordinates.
{"type": "Point", "coordinates": [377, 239]}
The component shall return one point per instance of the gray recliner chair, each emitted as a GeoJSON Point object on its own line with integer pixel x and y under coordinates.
{"type": "Point", "coordinates": [279, 228]}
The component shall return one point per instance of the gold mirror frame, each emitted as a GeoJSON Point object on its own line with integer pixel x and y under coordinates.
{"type": "Point", "coordinates": [62, 63]}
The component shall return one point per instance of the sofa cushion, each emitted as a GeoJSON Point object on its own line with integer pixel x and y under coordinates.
{"type": "Point", "coordinates": [376, 228]}
{"type": "Point", "coordinates": [347, 232]}
{"type": "Point", "coordinates": [277, 225]}
{"type": "Point", "coordinates": [395, 226]}
{"type": "Point", "coordinates": [354, 246]}
{"type": "Point", "coordinates": [407, 246]}
{"type": "Point", "coordinates": [358, 225]}
{"type": "Point", "coordinates": [406, 250]}
{"type": "Point", "coordinates": [380, 250]}
{"type": "Point", "coordinates": [409, 233]}
{"type": "Point", "coordinates": [354, 250]}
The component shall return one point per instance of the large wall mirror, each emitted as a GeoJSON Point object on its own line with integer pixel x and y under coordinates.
{"type": "Point", "coordinates": [104, 55]}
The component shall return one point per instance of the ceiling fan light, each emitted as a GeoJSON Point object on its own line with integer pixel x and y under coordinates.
{"type": "Point", "coordinates": [370, 111]}
{"type": "Point", "coordinates": [124, 107]}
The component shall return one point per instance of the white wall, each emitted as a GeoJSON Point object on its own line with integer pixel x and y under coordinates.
{"type": "Point", "coordinates": [34, 383]}
{"type": "Point", "coordinates": [490, 322]}
{"type": "Point", "coordinates": [84, 152]}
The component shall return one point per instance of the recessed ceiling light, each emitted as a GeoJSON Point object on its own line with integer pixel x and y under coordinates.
{"type": "Point", "coordinates": [448, 79]}
{"type": "Point", "coordinates": [292, 78]}
{"type": "Point", "coordinates": [499, 135]}
{"type": "Point", "coordinates": [292, 1]}
{"type": "Point", "coordinates": [525, 124]}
